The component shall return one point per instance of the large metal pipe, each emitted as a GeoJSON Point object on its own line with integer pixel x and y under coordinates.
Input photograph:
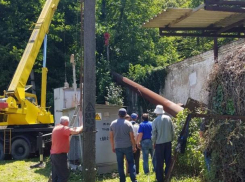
{"type": "Point", "coordinates": [170, 107]}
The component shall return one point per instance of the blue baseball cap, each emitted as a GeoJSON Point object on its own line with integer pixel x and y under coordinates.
{"type": "Point", "coordinates": [122, 112]}
{"type": "Point", "coordinates": [134, 116]}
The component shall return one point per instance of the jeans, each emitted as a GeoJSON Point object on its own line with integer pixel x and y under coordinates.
{"type": "Point", "coordinates": [128, 152]}
{"type": "Point", "coordinates": [163, 154]}
{"type": "Point", "coordinates": [146, 146]}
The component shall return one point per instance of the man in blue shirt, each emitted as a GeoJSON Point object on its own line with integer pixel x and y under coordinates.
{"type": "Point", "coordinates": [144, 141]}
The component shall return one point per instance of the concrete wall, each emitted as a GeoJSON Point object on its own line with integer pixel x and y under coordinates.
{"type": "Point", "coordinates": [188, 78]}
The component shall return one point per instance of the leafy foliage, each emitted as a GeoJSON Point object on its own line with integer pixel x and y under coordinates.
{"type": "Point", "coordinates": [150, 77]}
{"type": "Point", "coordinates": [226, 83]}
{"type": "Point", "coordinates": [225, 138]}
{"type": "Point", "coordinates": [191, 162]}
{"type": "Point", "coordinates": [114, 94]}
{"type": "Point", "coordinates": [226, 141]}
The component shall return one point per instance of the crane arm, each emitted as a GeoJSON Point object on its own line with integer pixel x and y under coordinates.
{"type": "Point", "coordinates": [18, 83]}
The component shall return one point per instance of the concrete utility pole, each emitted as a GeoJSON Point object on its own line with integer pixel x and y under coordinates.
{"type": "Point", "coordinates": [89, 98]}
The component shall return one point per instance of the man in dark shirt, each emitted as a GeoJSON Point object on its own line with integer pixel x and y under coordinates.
{"type": "Point", "coordinates": [123, 144]}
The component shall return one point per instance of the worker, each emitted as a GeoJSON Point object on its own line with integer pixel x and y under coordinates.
{"type": "Point", "coordinates": [134, 118]}
{"type": "Point", "coordinates": [162, 136]}
{"type": "Point", "coordinates": [127, 117]}
{"type": "Point", "coordinates": [60, 147]}
{"type": "Point", "coordinates": [123, 143]}
{"type": "Point", "coordinates": [144, 142]}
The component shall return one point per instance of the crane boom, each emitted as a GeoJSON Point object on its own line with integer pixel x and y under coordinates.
{"type": "Point", "coordinates": [18, 107]}
{"type": "Point", "coordinates": [29, 56]}
{"type": "Point", "coordinates": [21, 118]}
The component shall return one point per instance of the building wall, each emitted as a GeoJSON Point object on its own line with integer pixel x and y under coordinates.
{"type": "Point", "coordinates": [188, 78]}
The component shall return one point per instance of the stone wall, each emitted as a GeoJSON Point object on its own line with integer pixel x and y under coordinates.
{"type": "Point", "coordinates": [188, 78]}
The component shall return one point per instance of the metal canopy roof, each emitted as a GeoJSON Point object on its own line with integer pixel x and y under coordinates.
{"type": "Point", "coordinates": [198, 22]}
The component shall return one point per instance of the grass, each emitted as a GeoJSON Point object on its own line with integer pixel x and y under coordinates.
{"type": "Point", "coordinates": [20, 171]}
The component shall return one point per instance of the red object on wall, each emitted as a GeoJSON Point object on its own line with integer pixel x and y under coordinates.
{"type": "Point", "coordinates": [107, 37]}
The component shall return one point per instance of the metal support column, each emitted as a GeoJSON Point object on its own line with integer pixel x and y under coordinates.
{"type": "Point", "coordinates": [216, 50]}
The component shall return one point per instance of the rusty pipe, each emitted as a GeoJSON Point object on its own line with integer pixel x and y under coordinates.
{"type": "Point", "coordinates": [154, 98]}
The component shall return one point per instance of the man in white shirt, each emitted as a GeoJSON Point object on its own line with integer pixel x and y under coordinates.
{"type": "Point", "coordinates": [134, 118]}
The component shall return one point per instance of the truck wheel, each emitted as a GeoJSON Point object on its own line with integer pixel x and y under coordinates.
{"type": "Point", "coordinates": [20, 149]}
{"type": "Point", "coordinates": [2, 155]}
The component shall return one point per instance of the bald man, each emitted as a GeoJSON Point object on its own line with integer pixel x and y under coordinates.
{"type": "Point", "coordinates": [60, 147]}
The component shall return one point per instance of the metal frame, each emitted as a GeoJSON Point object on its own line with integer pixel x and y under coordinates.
{"type": "Point", "coordinates": [201, 34]}
{"type": "Point", "coordinates": [234, 30]}
{"type": "Point", "coordinates": [224, 5]}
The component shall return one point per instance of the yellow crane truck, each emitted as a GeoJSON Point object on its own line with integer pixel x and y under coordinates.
{"type": "Point", "coordinates": [21, 118]}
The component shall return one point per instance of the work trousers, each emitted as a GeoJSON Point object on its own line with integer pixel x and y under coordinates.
{"type": "Point", "coordinates": [163, 154]}
{"type": "Point", "coordinates": [60, 170]}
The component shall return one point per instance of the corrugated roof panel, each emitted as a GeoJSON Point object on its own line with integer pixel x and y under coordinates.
{"type": "Point", "coordinates": [166, 17]}
{"type": "Point", "coordinates": [202, 19]}
{"type": "Point", "coordinates": [193, 18]}
{"type": "Point", "coordinates": [230, 20]}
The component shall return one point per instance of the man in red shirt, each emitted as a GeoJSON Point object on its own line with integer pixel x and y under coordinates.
{"type": "Point", "coordinates": [60, 147]}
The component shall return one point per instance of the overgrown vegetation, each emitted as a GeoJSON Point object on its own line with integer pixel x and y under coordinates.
{"type": "Point", "coordinates": [191, 162]}
{"type": "Point", "coordinates": [114, 95]}
{"type": "Point", "coordinates": [226, 84]}
{"type": "Point", "coordinates": [225, 138]}
{"type": "Point", "coordinates": [149, 77]}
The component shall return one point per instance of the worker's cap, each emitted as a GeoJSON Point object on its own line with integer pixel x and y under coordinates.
{"type": "Point", "coordinates": [122, 112]}
{"type": "Point", "coordinates": [159, 109]}
{"type": "Point", "coordinates": [134, 116]}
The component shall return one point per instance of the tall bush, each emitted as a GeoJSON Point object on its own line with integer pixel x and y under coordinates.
{"type": "Point", "coordinates": [114, 94]}
{"type": "Point", "coordinates": [191, 162]}
{"type": "Point", "coordinates": [226, 141]}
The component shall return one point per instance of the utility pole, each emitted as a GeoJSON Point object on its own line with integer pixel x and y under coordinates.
{"type": "Point", "coordinates": [81, 75]}
{"type": "Point", "coordinates": [89, 95]}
